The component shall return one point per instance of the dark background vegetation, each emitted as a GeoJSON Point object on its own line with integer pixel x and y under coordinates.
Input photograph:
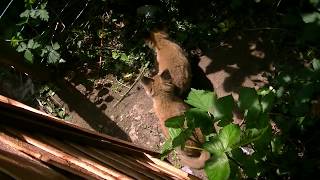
{"type": "Point", "coordinates": [108, 35]}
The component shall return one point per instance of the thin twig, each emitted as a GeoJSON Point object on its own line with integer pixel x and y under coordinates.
{"type": "Point", "coordinates": [264, 28]}
{"type": "Point", "coordinates": [135, 82]}
{"type": "Point", "coordinates": [122, 84]}
{"type": "Point", "coordinates": [6, 9]}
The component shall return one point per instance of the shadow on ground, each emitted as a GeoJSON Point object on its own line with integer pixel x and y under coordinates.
{"type": "Point", "coordinates": [241, 60]}
{"type": "Point", "coordinates": [89, 112]}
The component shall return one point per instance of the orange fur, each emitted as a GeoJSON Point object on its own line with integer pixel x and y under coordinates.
{"type": "Point", "coordinates": [167, 105]}
{"type": "Point", "coordinates": [172, 57]}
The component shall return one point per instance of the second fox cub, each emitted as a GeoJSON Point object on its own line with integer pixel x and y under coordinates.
{"type": "Point", "coordinates": [166, 105]}
{"type": "Point", "coordinates": [171, 56]}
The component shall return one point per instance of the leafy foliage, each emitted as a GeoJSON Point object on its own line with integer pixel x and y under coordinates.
{"type": "Point", "coordinates": [221, 144]}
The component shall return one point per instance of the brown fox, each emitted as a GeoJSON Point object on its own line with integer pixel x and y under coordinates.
{"type": "Point", "coordinates": [171, 56]}
{"type": "Point", "coordinates": [166, 105]}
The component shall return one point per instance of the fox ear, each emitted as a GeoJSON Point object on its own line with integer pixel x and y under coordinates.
{"type": "Point", "coordinates": [165, 75]}
{"type": "Point", "coordinates": [146, 81]}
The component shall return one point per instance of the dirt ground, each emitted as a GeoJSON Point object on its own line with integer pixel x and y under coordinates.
{"type": "Point", "coordinates": [241, 60]}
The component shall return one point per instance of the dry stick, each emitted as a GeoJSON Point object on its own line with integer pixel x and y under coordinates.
{"type": "Point", "coordinates": [58, 153]}
{"type": "Point", "coordinates": [46, 157]}
{"type": "Point", "coordinates": [143, 162]}
{"type": "Point", "coordinates": [167, 168]}
{"type": "Point", "coordinates": [137, 167]}
{"type": "Point", "coordinates": [135, 82]}
{"type": "Point", "coordinates": [68, 148]}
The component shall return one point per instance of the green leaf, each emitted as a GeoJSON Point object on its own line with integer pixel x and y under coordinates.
{"type": "Point", "coordinates": [223, 107]}
{"type": "Point", "coordinates": [174, 132]}
{"type": "Point", "coordinates": [53, 57]}
{"type": "Point", "coordinates": [22, 47]}
{"type": "Point", "coordinates": [247, 98]}
{"type": "Point", "coordinates": [201, 99]}
{"type": "Point", "coordinates": [25, 13]}
{"type": "Point", "coordinates": [43, 5]}
{"type": "Point", "coordinates": [229, 136]}
{"type": "Point", "coordinates": [34, 13]}
{"type": "Point", "coordinates": [32, 44]}
{"type": "Point", "coordinates": [175, 122]}
{"type": "Point", "coordinates": [263, 91]}
{"type": "Point", "coordinates": [115, 55]}
{"type": "Point", "coordinates": [43, 52]}
{"type": "Point", "coordinates": [56, 46]}
{"type": "Point", "coordinates": [315, 3]}
{"type": "Point", "coordinates": [199, 118]}
{"type": "Point", "coordinates": [124, 57]}
{"type": "Point", "coordinates": [218, 168]}
{"type": "Point", "coordinates": [166, 148]}
{"type": "Point", "coordinates": [29, 2]}
{"type": "Point", "coordinates": [28, 55]}
{"type": "Point", "coordinates": [167, 145]}
{"type": "Point", "coordinates": [181, 138]}
{"type": "Point", "coordinates": [267, 102]}
{"type": "Point", "coordinates": [251, 135]}
{"type": "Point", "coordinates": [316, 64]}
{"type": "Point", "coordinates": [313, 17]}
{"type": "Point", "coordinates": [214, 146]}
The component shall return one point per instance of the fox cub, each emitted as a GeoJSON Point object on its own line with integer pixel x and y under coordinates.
{"type": "Point", "coordinates": [166, 105]}
{"type": "Point", "coordinates": [171, 56]}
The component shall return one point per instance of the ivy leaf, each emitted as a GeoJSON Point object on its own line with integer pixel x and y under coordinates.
{"type": "Point", "coordinates": [218, 168]}
{"type": "Point", "coordinates": [43, 14]}
{"type": "Point", "coordinates": [201, 99]}
{"type": "Point", "coordinates": [56, 46]}
{"type": "Point", "coordinates": [247, 98]}
{"type": "Point", "coordinates": [25, 13]}
{"type": "Point", "coordinates": [53, 57]}
{"type": "Point", "coordinates": [175, 122]}
{"type": "Point", "coordinates": [32, 44]}
{"type": "Point", "coordinates": [223, 107]}
{"type": "Point", "coordinates": [267, 102]}
{"type": "Point", "coordinates": [28, 55]}
{"type": "Point", "coordinates": [229, 136]}
{"type": "Point", "coordinates": [22, 47]}
{"type": "Point", "coordinates": [33, 14]}
{"type": "Point", "coordinates": [43, 5]}
{"type": "Point", "coordinates": [316, 64]}
{"type": "Point", "coordinates": [43, 52]}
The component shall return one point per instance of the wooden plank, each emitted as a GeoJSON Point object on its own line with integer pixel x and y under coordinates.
{"type": "Point", "coordinates": [58, 153]}
{"type": "Point", "coordinates": [46, 157]}
{"type": "Point", "coordinates": [67, 148]}
{"type": "Point", "coordinates": [20, 167]}
{"type": "Point", "coordinates": [110, 162]}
